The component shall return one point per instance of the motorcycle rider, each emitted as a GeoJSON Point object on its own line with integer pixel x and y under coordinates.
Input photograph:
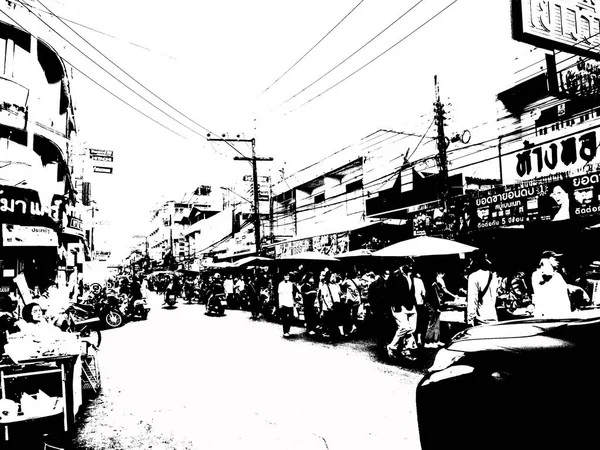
{"type": "Point", "coordinates": [217, 291]}
{"type": "Point", "coordinates": [135, 293]}
{"type": "Point", "coordinates": [173, 288]}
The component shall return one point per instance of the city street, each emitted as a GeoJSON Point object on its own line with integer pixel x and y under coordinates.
{"type": "Point", "coordinates": [183, 380]}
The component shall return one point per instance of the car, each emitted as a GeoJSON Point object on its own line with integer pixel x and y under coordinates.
{"type": "Point", "coordinates": [527, 383]}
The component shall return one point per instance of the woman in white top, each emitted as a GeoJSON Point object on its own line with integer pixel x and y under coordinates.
{"type": "Point", "coordinates": [550, 291]}
{"type": "Point", "coordinates": [329, 301]}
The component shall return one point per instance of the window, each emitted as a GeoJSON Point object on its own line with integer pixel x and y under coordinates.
{"type": "Point", "coordinates": [354, 186]}
{"type": "Point", "coordinates": [320, 198]}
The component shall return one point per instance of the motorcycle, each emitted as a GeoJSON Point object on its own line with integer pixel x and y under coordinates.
{"type": "Point", "coordinates": [137, 309]}
{"type": "Point", "coordinates": [215, 305]}
{"type": "Point", "coordinates": [100, 304]}
{"type": "Point", "coordinates": [170, 298]}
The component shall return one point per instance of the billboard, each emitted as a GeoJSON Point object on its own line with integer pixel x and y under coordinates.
{"type": "Point", "coordinates": [550, 199]}
{"type": "Point", "coordinates": [568, 25]}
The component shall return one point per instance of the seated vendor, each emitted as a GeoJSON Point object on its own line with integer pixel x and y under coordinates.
{"type": "Point", "coordinates": [34, 322]}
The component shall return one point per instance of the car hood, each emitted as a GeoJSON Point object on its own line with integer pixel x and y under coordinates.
{"type": "Point", "coordinates": [516, 335]}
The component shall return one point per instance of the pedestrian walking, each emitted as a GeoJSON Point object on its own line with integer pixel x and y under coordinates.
{"type": "Point", "coordinates": [550, 290]}
{"type": "Point", "coordinates": [482, 290]}
{"type": "Point", "coordinates": [403, 308]}
{"type": "Point", "coordinates": [381, 320]}
{"type": "Point", "coordinates": [329, 296]}
{"type": "Point", "coordinates": [433, 302]}
{"type": "Point", "coordinates": [309, 302]}
{"type": "Point", "coordinates": [286, 295]}
{"type": "Point", "coordinates": [351, 287]}
{"type": "Point", "coordinates": [422, 313]}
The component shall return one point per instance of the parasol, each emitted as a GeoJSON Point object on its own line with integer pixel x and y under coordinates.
{"type": "Point", "coordinates": [253, 261]}
{"type": "Point", "coordinates": [425, 246]}
{"type": "Point", "coordinates": [308, 256]}
{"type": "Point", "coordinates": [359, 253]}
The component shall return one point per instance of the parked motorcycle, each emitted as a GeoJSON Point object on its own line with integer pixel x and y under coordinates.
{"type": "Point", "coordinates": [99, 303]}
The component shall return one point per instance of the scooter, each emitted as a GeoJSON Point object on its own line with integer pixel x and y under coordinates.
{"type": "Point", "coordinates": [137, 309]}
{"type": "Point", "coordinates": [215, 305]}
{"type": "Point", "coordinates": [170, 298]}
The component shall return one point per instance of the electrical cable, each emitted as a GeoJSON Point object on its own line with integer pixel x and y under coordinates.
{"type": "Point", "coordinates": [122, 70]}
{"type": "Point", "coordinates": [351, 55]}
{"type": "Point", "coordinates": [312, 48]}
{"type": "Point", "coordinates": [376, 58]}
{"type": "Point", "coordinates": [97, 31]}
{"type": "Point", "coordinates": [106, 89]}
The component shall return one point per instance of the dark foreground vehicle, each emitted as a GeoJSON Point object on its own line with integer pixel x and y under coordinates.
{"type": "Point", "coordinates": [522, 384]}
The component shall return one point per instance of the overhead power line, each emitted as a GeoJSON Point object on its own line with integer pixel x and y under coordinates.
{"type": "Point", "coordinates": [106, 89]}
{"type": "Point", "coordinates": [312, 48]}
{"type": "Point", "coordinates": [352, 54]}
{"type": "Point", "coordinates": [376, 58]}
{"type": "Point", "coordinates": [99, 31]}
{"type": "Point", "coordinates": [119, 80]}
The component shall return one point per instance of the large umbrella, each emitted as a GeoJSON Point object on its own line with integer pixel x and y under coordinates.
{"type": "Point", "coordinates": [308, 256]}
{"type": "Point", "coordinates": [253, 261]}
{"type": "Point", "coordinates": [425, 246]}
{"type": "Point", "coordinates": [359, 253]}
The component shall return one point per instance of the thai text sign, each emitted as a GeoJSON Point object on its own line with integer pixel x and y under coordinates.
{"type": "Point", "coordinates": [550, 199]}
{"type": "Point", "coordinates": [550, 157]}
{"type": "Point", "coordinates": [581, 79]}
{"type": "Point", "coordinates": [20, 236]}
{"type": "Point", "coordinates": [569, 25]}
{"type": "Point", "coordinates": [22, 206]}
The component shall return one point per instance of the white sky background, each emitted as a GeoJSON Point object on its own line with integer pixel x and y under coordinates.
{"type": "Point", "coordinates": [213, 59]}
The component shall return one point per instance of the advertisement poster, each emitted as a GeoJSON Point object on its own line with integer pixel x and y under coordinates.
{"type": "Point", "coordinates": [551, 199]}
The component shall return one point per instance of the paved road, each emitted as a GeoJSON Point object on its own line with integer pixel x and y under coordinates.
{"type": "Point", "coordinates": [183, 380]}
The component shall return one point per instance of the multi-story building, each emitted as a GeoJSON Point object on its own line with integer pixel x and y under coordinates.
{"type": "Point", "coordinates": [40, 214]}
{"type": "Point", "coordinates": [322, 207]}
{"type": "Point", "coordinates": [170, 220]}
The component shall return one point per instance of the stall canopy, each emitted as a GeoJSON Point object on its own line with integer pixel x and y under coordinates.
{"type": "Point", "coordinates": [425, 246]}
{"type": "Point", "coordinates": [253, 261]}
{"type": "Point", "coordinates": [359, 253]}
{"type": "Point", "coordinates": [308, 256]}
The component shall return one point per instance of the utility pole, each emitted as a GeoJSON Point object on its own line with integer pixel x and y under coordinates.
{"type": "Point", "coordinates": [442, 145]}
{"type": "Point", "coordinates": [253, 161]}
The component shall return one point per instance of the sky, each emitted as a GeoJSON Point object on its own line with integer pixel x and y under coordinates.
{"type": "Point", "coordinates": [217, 61]}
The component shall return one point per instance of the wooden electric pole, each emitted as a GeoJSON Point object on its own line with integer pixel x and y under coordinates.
{"type": "Point", "coordinates": [253, 159]}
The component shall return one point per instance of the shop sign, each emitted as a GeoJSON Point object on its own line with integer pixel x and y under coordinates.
{"type": "Point", "coordinates": [19, 205]}
{"type": "Point", "coordinates": [27, 236]}
{"type": "Point", "coordinates": [569, 25]}
{"type": "Point", "coordinates": [586, 195]}
{"type": "Point", "coordinates": [581, 79]}
{"type": "Point", "coordinates": [433, 221]}
{"type": "Point", "coordinates": [103, 169]}
{"type": "Point", "coordinates": [566, 154]}
{"type": "Point", "coordinates": [96, 153]}
{"type": "Point", "coordinates": [328, 244]}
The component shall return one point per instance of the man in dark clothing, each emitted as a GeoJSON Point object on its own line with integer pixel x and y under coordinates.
{"type": "Point", "coordinates": [404, 309]}
{"type": "Point", "coordinates": [309, 298]}
{"type": "Point", "coordinates": [378, 301]}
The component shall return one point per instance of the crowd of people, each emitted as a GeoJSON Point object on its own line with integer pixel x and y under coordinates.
{"type": "Point", "coordinates": [400, 305]}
